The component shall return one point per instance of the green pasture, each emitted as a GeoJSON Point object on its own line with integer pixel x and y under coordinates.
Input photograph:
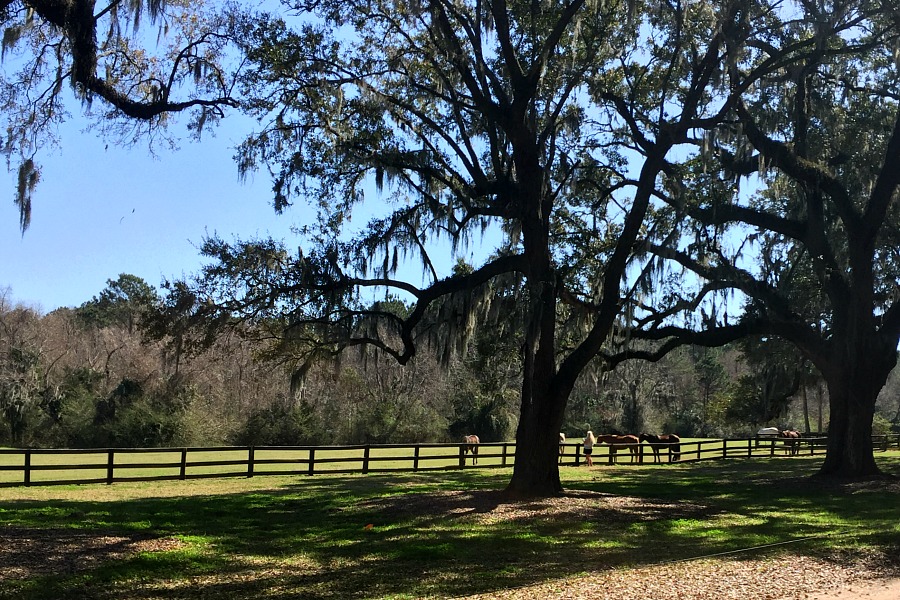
{"type": "Point", "coordinates": [432, 534]}
{"type": "Point", "coordinates": [166, 462]}
{"type": "Point", "coordinates": [232, 461]}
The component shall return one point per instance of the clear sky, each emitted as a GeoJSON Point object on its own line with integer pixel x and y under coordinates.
{"type": "Point", "coordinates": [100, 211]}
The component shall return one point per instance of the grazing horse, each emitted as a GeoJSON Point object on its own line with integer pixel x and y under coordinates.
{"type": "Point", "coordinates": [791, 440]}
{"type": "Point", "coordinates": [620, 441]}
{"type": "Point", "coordinates": [470, 444]}
{"type": "Point", "coordinates": [562, 445]}
{"type": "Point", "coordinates": [659, 442]}
{"type": "Point", "coordinates": [768, 432]}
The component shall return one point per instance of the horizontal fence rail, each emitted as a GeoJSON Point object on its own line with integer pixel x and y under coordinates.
{"type": "Point", "coordinates": [43, 467]}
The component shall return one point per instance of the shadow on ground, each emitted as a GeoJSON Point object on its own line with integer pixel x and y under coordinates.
{"type": "Point", "coordinates": [440, 534]}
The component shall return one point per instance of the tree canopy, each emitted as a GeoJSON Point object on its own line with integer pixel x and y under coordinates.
{"type": "Point", "coordinates": [55, 51]}
{"type": "Point", "coordinates": [544, 126]}
{"type": "Point", "coordinates": [588, 151]}
{"type": "Point", "coordinates": [812, 249]}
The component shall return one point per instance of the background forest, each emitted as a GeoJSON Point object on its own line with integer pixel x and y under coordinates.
{"type": "Point", "coordinates": [110, 373]}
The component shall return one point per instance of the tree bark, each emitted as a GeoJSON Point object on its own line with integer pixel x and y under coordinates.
{"type": "Point", "coordinates": [820, 395]}
{"type": "Point", "coordinates": [854, 382]}
{"type": "Point", "coordinates": [806, 409]}
{"type": "Point", "coordinates": [536, 470]}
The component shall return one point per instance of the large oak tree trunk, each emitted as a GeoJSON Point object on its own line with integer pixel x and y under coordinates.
{"type": "Point", "coordinates": [854, 381]}
{"type": "Point", "coordinates": [536, 471]}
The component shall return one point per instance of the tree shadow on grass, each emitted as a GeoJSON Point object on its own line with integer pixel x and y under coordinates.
{"type": "Point", "coordinates": [448, 534]}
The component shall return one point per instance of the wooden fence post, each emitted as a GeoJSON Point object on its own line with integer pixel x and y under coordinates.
{"type": "Point", "coordinates": [27, 474]}
{"type": "Point", "coordinates": [507, 456]}
{"type": "Point", "coordinates": [110, 463]}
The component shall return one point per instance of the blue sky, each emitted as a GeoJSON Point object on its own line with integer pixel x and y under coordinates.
{"type": "Point", "coordinates": [100, 211]}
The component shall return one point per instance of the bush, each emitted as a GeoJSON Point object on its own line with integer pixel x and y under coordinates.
{"type": "Point", "coordinates": [880, 425]}
{"type": "Point", "coordinates": [280, 424]}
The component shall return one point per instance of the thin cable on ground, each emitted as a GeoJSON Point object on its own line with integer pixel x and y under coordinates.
{"type": "Point", "coordinates": [750, 549]}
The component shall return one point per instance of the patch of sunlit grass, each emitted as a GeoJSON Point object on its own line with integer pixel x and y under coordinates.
{"type": "Point", "coordinates": [433, 534]}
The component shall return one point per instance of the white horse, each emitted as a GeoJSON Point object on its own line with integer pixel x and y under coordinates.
{"type": "Point", "coordinates": [768, 432]}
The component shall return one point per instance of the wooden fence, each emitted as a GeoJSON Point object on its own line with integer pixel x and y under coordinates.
{"type": "Point", "coordinates": [34, 467]}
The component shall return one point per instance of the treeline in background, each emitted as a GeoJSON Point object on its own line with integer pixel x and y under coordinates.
{"type": "Point", "coordinates": [111, 373]}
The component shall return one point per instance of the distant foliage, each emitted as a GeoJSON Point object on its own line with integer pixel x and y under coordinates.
{"type": "Point", "coordinates": [65, 382]}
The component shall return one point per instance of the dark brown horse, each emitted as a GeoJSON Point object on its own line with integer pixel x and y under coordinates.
{"type": "Point", "coordinates": [660, 442]}
{"type": "Point", "coordinates": [562, 446]}
{"type": "Point", "coordinates": [470, 444]}
{"type": "Point", "coordinates": [620, 441]}
{"type": "Point", "coordinates": [791, 440]}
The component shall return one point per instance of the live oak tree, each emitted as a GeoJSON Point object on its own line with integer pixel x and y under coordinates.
{"type": "Point", "coordinates": [553, 129]}
{"type": "Point", "coordinates": [129, 80]}
{"type": "Point", "coordinates": [776, 373]}
{"type": "Point", "coordinates": [813, 250]}
{"type": "Point", "coordinates": [542, 128]}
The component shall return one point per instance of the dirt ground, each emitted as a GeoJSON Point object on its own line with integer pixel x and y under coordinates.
{"type": "Point", "coordinates": [881, 589]}
{"type": "Point", "coordinates": [787, 579]}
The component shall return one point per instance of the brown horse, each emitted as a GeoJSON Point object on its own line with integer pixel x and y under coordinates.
{"type": "Point", "coordinates": [620, 441]}
{"type": "Point", "coordinates": [791, 440]}
{"type": "Point", "coordinates": [562, 446]}
{"type": "Point", "coordinates": [470, 444]}
{"type": "Point", "coordinates": [660, 442]}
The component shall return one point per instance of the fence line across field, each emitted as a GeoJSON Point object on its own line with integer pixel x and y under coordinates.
{"type": "Point", "coordinates": [42, 467]}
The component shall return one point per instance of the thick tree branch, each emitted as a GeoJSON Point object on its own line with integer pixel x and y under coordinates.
{"type": "Point", "coordinates": [808, 172]}
{"type": "Point", "coordinates": [76, 21]}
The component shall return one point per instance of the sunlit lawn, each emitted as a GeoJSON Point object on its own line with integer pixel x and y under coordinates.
{"type": "Point", "coordinates": [93, 465]}
{"type": "Point", "coordinates": [415, 535]}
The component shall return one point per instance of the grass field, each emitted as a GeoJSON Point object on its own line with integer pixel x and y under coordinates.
{"type": "Point", "coordinates": [84, 465]}
{"type": "Point", "coordinates": [94, 466]}
{"type": "Point", "coordinates": [436, 534]}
